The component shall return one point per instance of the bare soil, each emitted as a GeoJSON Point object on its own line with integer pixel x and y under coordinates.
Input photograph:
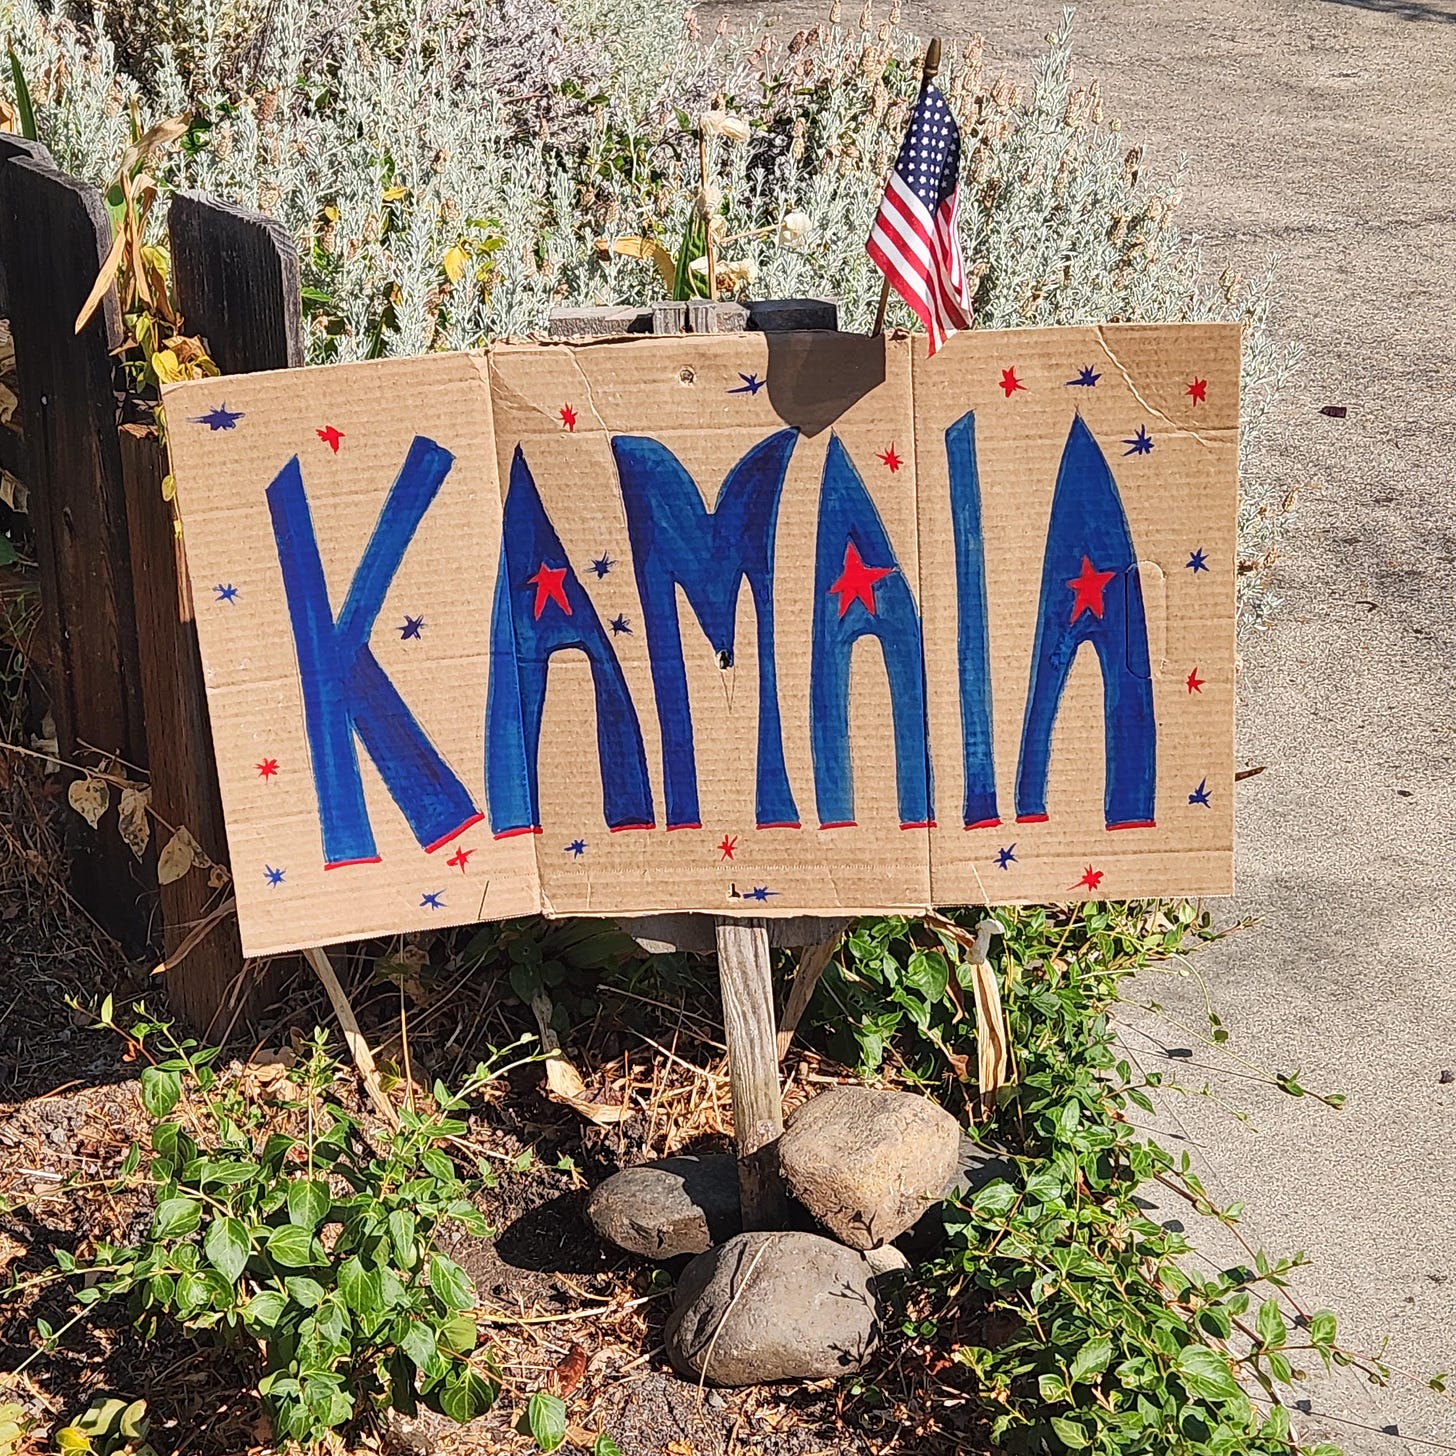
{"type": "Point", "coordinates": [561, 1308]}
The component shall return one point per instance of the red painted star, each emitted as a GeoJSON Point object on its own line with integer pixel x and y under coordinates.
{"type": "Point", "coordinates": [268, 768]}
{"type": "Point", "coordinates": [890, 460]}
{"type": "Point", "coordinates": [1198, 391]}
{"type": "Point", "coordinates": [460, 857]}
{"type": "Point", "coordinates": [857, 581]}
{"type": "Point", "coordinates": [331, 437]}
{"type": "Point", "coordinates": [550, 584]}
{"type": "Point", "coordinates": [568, 417]}
{"type": "Point", "coordinates": [1090, 879]}
{"type": "Point", "coordinates": [730, 843]}
{"type": "Point", "coordinates": [1195, 683]}
{"type": "Point", "coordinates": [1089, 586]}
{"type": "Point", "coordinates": [1010, 383]}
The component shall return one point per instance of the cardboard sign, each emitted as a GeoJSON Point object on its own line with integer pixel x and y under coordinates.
{"type": "Point", "coordinates": [761, 624]}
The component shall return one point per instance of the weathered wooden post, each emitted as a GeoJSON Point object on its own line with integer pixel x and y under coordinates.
{"type": "Point", "coordinates": [237, 282]}
{"type": "Point", "coordinates": [745, 979]}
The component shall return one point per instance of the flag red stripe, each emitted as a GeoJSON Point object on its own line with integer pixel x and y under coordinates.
{"type": "Point", "coordinates": [909, 276]}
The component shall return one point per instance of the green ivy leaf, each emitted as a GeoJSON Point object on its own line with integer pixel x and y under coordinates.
{"type": "Point", "coordinates": [1092, 1359]}
{"type": "Point", "coordinates": [291, 1246]}
{"type": "Point", "coordinates": [1072, 1434]}
{"type": "Point", "coordinates": [1276, 1427]}
{"type": "Point", "coordinates": [1271, 1327]}
{"type": "Point", "coordinates": [469, 1217]}
{"type": "Point", "coordinates": [263, 1311]}
{"type": "Point", "coordinates": [604, 1445]}
{"type": "Point", "coordinates": [308, 1202]}
{"type": "Point", "coordinates": [419, 1344]}
{"type": "Point", "coordinates": [439, 1165]}
{"type": "Point", "coordinates": [160, 1090]}
{"type": "Point", "coordinates": [995, 1200]}
{"type": "Point", "coordinates": [459, 1335]}
{"type": "Point", "coordinates": [928, 973]}
{"type": "Point", "coordinates": [226, 1245]}
{"type": "Point", "coordinates": [1322, 1328]}
{"type": "Point", "coordinates": [451, 1283]}
{"type": "Point", "coordinates": [176, 1217]}
{"type": "Point", "coordinates": [1206, 1373]}
{"type": "Point", "coordinates": [303, 1290]}
{"type": "Point", "coordinates": [402, 1236]}
{"type": "Point", "coordinates": [467, 1394]}
{"type": "Point", "coordinates": [546, 1419]}
{"type": "Point", "coordinates": [361, 1287]}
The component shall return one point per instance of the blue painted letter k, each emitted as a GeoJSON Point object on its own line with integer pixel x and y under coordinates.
{"type": "Point", "coordinates": [345, 691]}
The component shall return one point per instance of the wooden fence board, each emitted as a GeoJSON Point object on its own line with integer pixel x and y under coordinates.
{"type": "Point", "coordinates": [12, 146]}
{"type": "Point", "coordinates": [237, 284]}
{"type": "Point", "coordinates": [236, 276]}
{"type": "Point", "coordinates": [208, 986]}
{"type": "Point", "coordinates": [54, 234]}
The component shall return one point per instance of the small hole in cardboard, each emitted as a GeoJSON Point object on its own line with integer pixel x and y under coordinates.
{"type": "Point", "coordinates": [686, 376]}
{"type": "Point", "coordinates": [725, 659]}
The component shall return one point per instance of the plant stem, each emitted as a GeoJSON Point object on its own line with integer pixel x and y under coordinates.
{"type": "Point", "coordinates": [712, 247]}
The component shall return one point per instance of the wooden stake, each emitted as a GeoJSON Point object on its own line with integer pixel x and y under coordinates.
{"type": "Point", "coordinates": [318, 958]}
{"type": "Point", "coordinates": [927, 75]}
{"type": "Point", "coordinates": [813, 960]}
{"type": "Point", "coordinates": [745, 973]}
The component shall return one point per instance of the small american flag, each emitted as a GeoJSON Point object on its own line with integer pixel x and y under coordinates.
{"type": "Point", "coordinates": [914, 240]}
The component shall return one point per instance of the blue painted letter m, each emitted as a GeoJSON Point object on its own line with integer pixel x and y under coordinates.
{"type": "Point", "coordinates": [345, 691]}
{"type": "Point", "coordinates": [678, 542]}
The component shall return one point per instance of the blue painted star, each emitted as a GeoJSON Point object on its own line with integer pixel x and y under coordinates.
{"type": "Point", "coordinates": [1085, 377]}
{"type": "Point", "coordinates": [1197, 562]}
{"type": "Point", "coordinates": [1005, 858]}
{"type": "Point", "coordinates": [221, 418]}
{"type": "Point", "coordinates": [1200, 795]}
{"type": "Point", "coordinates": [576, 848]}
{"type": "Point", "coordinates": [619, 625]}
{"type": "Point", "coordinates": [760, 892]}
{"type": "Point", "coordinates": [751, 384]}
{"type": "Point", "coordinates": [432, 900]}
{"type": "Point", "coordinates": [228, 593]}
{"type": "Point", "coordinates": [274, 877]}
{"type": "Point", "coordinates": [412, 627]}
{"type": "Point", "coordinates": [602, 565]}
{"type": "Point", "coordinates": [1141, 443]}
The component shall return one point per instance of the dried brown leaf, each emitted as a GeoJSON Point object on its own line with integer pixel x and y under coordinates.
{"type": "Point", "coordinates": [132, 820]}
{"type": "Point", "coordinates": [90, 798]}
{"type": "Point", "coordinates": [104, 280]}
{"type": "Point", "coordinates": [569, 1372]}
{"type": "Point", "coordinates": [180, 854]}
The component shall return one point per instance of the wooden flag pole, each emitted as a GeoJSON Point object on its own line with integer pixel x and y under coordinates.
{"type": "Point", "coordinates": [927, 75]}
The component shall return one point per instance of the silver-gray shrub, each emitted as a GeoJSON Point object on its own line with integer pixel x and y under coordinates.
{"type": "Point", "coordinates": [451, 169]}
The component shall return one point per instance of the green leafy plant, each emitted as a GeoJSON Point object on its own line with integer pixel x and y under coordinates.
{"type": "Point", "coordinates": [24, 117]}
{"type": "Point", "coordinates": [1069, 1307]}
{"type": "Point", "coordinates": [109, 1426]}
{"type": "Point", "coordinates": [317, 1241]}
{"type": "Point", "coordinates": [15, 1425]}
{"type": "Point", "coordinates": [544, 1420]}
